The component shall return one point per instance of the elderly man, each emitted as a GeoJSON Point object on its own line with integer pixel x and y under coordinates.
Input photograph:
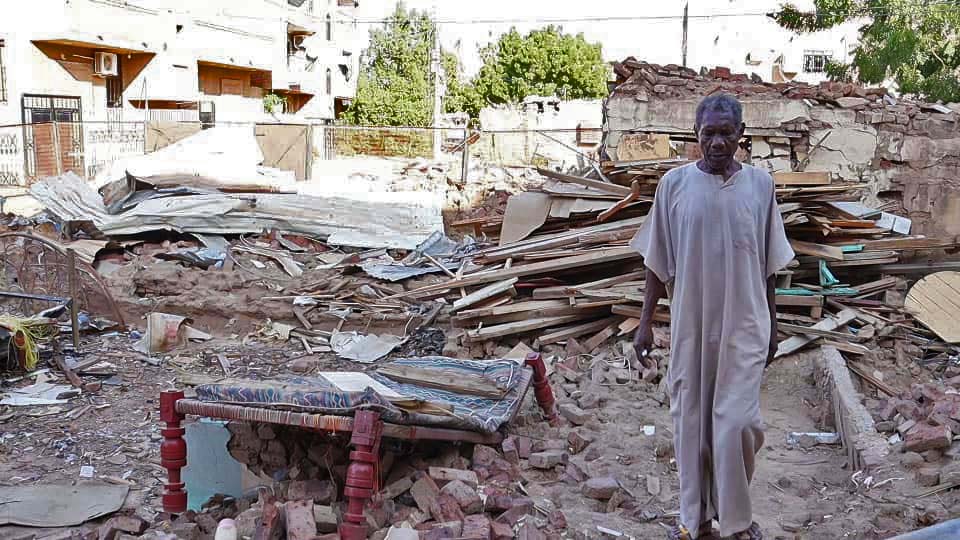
{"type": "Point", "coordinates": [714, 241]}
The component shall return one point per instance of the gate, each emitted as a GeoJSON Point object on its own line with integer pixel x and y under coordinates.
{"type": "Point", "coordinates": [52, 135]}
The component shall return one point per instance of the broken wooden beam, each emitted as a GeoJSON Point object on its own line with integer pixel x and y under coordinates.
{"type": "Point", "coordinates": [795, 343]}
{"type": "Point", "coordinates": [484, 294]}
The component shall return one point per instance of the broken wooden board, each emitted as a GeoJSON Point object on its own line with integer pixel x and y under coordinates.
{"type": "Point", "coordinates": [578, 330]}
{"type": "Point", "coordinates": [935, 302]}
{"type": "Point", "coordinates": [659, 315]}
{"type": "Point", "coordinates": [606, 187]}
{"type": "Point", "coordinates": [552, 241]}
{"type": "Point", "coordinates": [525, 213]}
{"type": "Point", "coordinates": [797, 300]}
{"type": "Point", "coordinates": [795, 343]}
{"type": "Point", "coordinates": [458, 382]}
{"type": "Point", "coordinates": [801, 178]}
{"type": "Point", "coordinates": [538, 268]}
{"type": "Point", "coordinates": [484, 294]}
{"type": "Point", "coordinates": [829, 253]}
{"type": "Point", "coordinates": [519, 327]}
{"type": "Point", "coordinates": [566, 291]}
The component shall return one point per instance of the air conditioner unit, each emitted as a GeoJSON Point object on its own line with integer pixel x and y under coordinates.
{"type": "Point", "coordinates": [105, 64]}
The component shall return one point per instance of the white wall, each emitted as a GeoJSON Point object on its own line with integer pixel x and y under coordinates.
{"type": "Point", "coordinates": [249, 33]}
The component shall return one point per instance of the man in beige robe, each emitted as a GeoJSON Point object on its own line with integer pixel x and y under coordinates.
{"type": "Point", "coordinates": [715, 239]}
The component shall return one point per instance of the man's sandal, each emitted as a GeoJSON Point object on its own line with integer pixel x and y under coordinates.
{"type": "Point", "coordinates": [752, 533]}
{"type": "Point", "coordinates": [680, 532]}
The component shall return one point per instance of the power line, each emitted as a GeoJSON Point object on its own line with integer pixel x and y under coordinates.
{"type": "Point", "coordinates": [864, 12]}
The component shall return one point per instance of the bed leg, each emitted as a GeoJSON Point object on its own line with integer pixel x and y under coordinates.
{"type": "Point", "coordinates": [361, 474]}
{"type": "Point", "coordinates": [541, 388]}
{"type": "Point", "coordinates": [173, 452]}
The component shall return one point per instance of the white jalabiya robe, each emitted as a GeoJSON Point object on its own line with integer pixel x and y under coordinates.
{"type": "Point", "coordinates": [714, 244]}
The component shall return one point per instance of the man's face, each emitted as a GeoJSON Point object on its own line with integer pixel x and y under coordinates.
{"type": "Point", "coordinates": [719, 135]}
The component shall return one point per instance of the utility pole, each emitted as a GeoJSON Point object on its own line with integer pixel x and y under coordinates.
{"type": "Point", "coordinates": [686, 6]}
{"type": "Point", "coordinates": [437, 79]}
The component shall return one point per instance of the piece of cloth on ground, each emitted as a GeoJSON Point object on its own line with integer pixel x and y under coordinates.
{"type": "Point", "coordinates": [715, 243]}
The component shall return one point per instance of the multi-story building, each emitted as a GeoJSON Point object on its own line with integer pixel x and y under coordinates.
{"type": "Point", "coordinates": [93, 67]}
{"type": "Point", "coordinates": [177, 59]}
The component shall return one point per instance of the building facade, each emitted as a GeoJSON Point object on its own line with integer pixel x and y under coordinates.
{"type": "Point", "coordinates": [114, 60]}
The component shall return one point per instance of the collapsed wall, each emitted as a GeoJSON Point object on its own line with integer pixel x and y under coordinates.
{"type": "Point", "coordinates": [906, 152]}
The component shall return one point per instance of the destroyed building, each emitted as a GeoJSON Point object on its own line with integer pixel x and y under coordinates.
{"type": "Point", "coordinates": [906, 152]}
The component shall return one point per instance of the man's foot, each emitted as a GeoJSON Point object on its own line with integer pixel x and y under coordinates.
{"type": "Point", "coordinates": [682, 533]}
{"type": "Point", "coordinates": [752, 533]}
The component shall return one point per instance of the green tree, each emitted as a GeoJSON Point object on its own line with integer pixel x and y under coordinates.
{"type": "Point", "coordinates": [913, 42]}
{"type": "Point", "coordinates": [544, 62]}
{"type": "Point", "coordinates": [395, 87]}
{"type": "Point", "coordinates": [461, 95]}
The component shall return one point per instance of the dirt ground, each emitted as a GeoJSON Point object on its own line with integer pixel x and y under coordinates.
{"type": "Point", "coordinates": [798, 493]}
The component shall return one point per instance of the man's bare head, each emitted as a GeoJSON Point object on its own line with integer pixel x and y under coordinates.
{"type": "Point", "coordinates": [719, 127]}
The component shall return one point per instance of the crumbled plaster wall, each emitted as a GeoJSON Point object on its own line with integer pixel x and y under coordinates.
{"type": "Point", "coordinates": [906, 154]}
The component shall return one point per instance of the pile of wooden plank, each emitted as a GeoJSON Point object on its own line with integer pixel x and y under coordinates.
{"type": "Point", "coordinates": [558, 265]}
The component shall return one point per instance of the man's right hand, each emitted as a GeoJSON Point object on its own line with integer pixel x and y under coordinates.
{"type": "Point", "coordinates": [643, 340]}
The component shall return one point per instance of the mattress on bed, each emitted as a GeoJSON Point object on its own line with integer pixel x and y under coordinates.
{"type": "Point", "coordinates": [317, 395]}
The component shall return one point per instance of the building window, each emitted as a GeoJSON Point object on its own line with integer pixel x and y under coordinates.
{"type": "Point", "coordinates": [3, 74]}
{"type": "Point", "coordinates": [329, 27]}
{"type": "Point", "coordinates": [815, 61]}
{"type": "Point", "coordinates": [329, 82]}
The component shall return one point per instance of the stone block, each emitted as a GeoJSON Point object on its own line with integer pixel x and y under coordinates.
{"type": "Point", "coordinates": [928, 476]}
{"type": "Point", "coordinates": [500, 531]}
{"type": "Point", "coordinates": [426, 494]}
{"type": "Point", "coordinates": [121, 524]}
{"type": "Point", "coordinates": [577, 442]}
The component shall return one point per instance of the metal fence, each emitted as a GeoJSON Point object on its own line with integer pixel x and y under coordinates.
{"type": "Point", "coordinates": [29, 152]}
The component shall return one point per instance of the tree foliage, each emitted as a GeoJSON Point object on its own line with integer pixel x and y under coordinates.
{"type": "Point", "coordinates": [395, 87]}
{"type": "Point", "coordinates": [913, 42]}
{"type": "Point", "coordinates": [545, 62]}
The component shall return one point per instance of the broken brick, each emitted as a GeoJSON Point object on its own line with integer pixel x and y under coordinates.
{"type": "Point", "coordinates": [510, 451]}
{"type": "Point", "coordinates": [476, 527]}
{"type": "Point", "coordinates": [574, 473]}
{"type": "Point", "coordinates": [299, 520]}
{"type": "Point", "coordinates": [466, 496]}
{"type": "Point", "coordinates": [500, 531]}
{"type": "Point", "coordinates": [426, 494]}
{"type": "Point", "coordinates": [928, 476]}
{"type": "Point", "coordinates": [318, 491]}
{"type": "Point", "coordinates": [443, 475]}
{"type": "Point", "coordinates": [121, 524]}
{"type": "Point", "coordinates": [520, 506]}
{"type": "Point", "coordinates": [441, 531]}
{"type": "Point", "coordinates": [601, 488]}
{"type": "Point", "coordinates": [326, 518]}
{"type": "Point", "coordinates": [547, 460]}
{"type": "Point", "coordinates": [449, 509]}
{"type": "Point", "coordinates": [923, 437]}
{"type": "Point", "coordinates": [575, 415]}
{"type": "Point", "coordinates": [577, 442]}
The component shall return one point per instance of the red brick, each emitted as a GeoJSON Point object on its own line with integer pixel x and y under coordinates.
{"type": "Point", "coordinates": [923, 437]}
{"type": "Point", "coordinates": [299, 520]}
{"type": "Point", "coordinates": [510, 451]}
{"type": "Point", "coordinates": [476, 527]}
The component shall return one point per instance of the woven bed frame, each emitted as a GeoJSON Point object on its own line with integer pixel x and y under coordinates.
{"type": "Point", "coordinates": [366, 429]}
